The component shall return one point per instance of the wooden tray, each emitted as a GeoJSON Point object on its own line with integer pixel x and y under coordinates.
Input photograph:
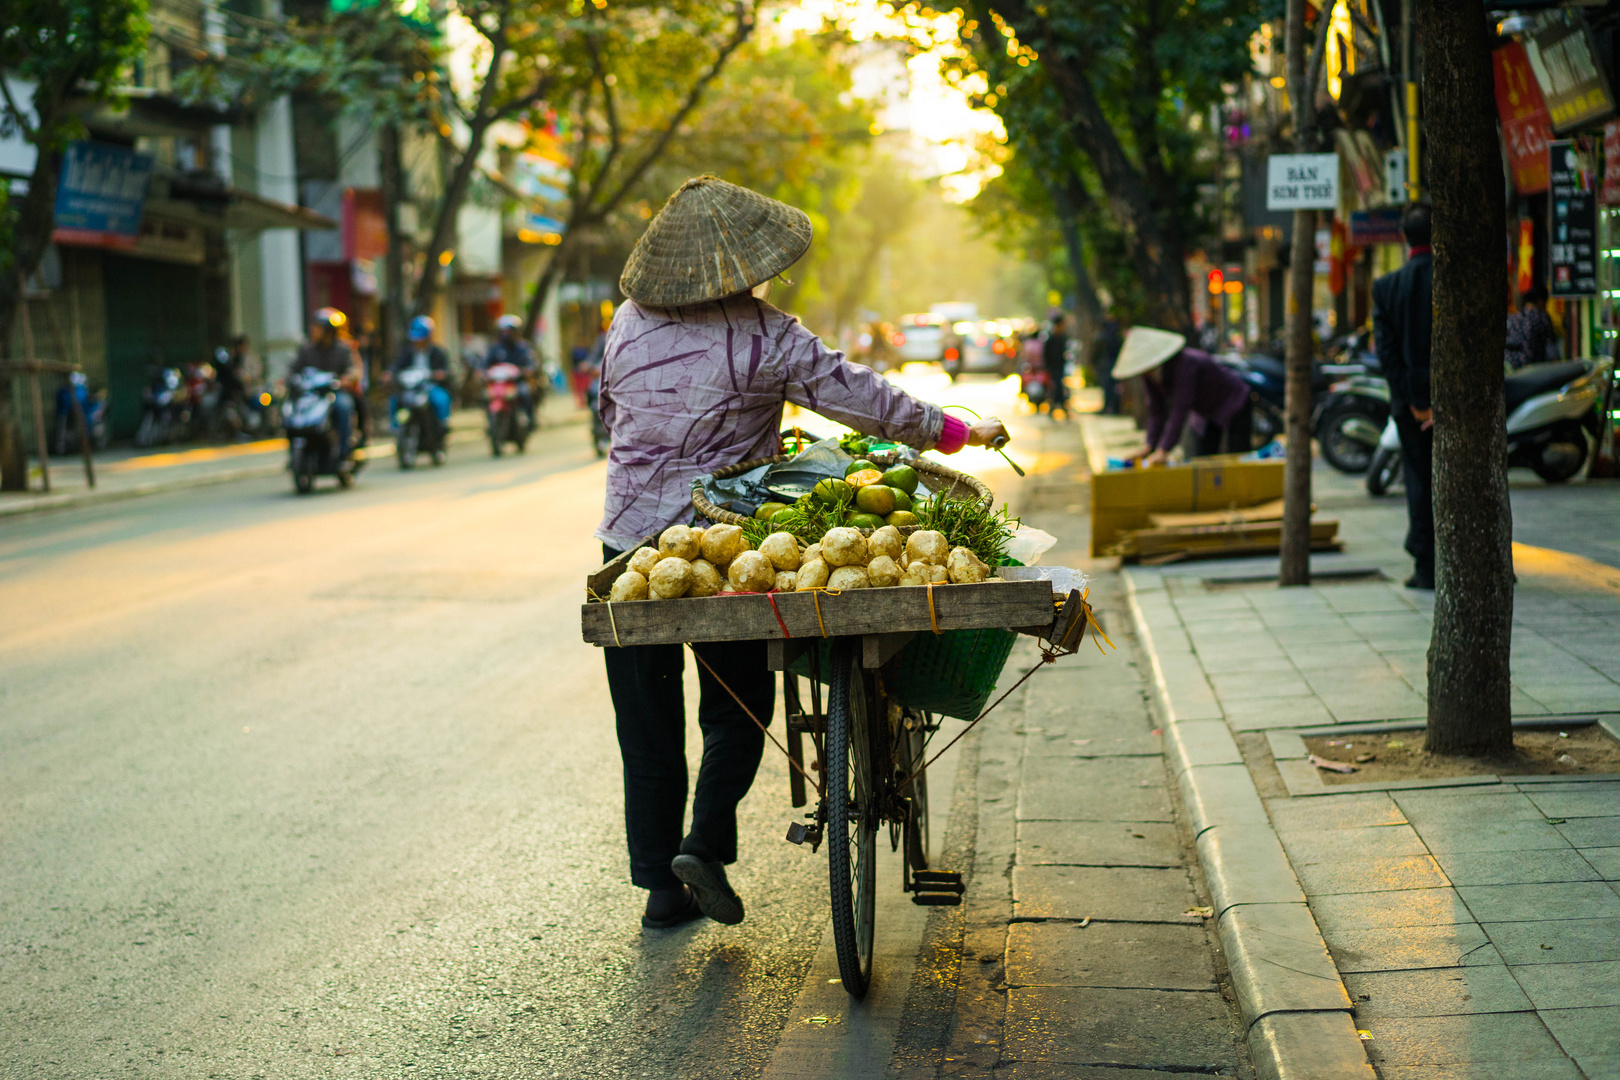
{"type": "Point", "coordinates": [1026, 606]}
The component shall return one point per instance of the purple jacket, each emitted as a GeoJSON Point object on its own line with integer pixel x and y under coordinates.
{"type": "Point", "coordinates": [689, 390]}
{"type": "Point", "coordinates": [1191, 382]}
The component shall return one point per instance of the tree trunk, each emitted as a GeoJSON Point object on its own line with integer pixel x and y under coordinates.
{"type": "Point", "coordinates": [36, 217]}
{"type": "Point", "coordinates": [550, 276]}
{"type": "Point", "coordinates": [444, 225]}
{"type": "Point", "coordinates": [1068, 197]}
{"type": "Point", "coordinates": [1294, 564]}
{"type": "Point", "coordinates": [393, 192]}
{"type": "Point", "coordinates": [1469, 693]}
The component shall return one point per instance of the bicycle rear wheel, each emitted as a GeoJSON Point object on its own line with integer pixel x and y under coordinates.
{"type": "Point", "coordinates": [851, 817]}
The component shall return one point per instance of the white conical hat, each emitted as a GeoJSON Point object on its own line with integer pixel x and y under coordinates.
{"type": "Point", "coordinates": [713, 239]}
{"type": "Point", "coordinates": [1145, 349]}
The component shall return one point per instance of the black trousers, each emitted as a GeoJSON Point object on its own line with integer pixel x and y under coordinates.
{"type": "Point", "coordinates": [645, 682]}
{"type": "Point", "coordinates": [1059, 398]}
{"type": "Point", "coordinates": [1236, 436]}
{"type": "Point", "coordinates": [1417, 460]}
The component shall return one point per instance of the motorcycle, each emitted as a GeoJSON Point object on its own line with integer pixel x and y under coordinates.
{"type": "Point", "coordinates": [93, 407]}
{"type": "Point", "coordinates": [504, 406]}
{"type": "Point", "coordinates": [165, 409]}
{"type": "Point", "coordinates": [250, 416]}
{"type": "Point", "coordinates": [313, 443]}
{"type": "Point", "coordinates": [1552, 408]}
{"type": "Point", "coordinates": [1034, 382]}
{"type": "Point", "coordinates": [1349, 420]}
{"type": "Point", "coordinates": [420, 430]}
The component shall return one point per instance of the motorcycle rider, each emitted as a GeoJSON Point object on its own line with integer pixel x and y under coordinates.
{"type": "Point", "coordinates": [326, 350]}
{"type": "Point", "coordinates": [422, 353]}
{"type": "Point", "coordinates": [510, 348]}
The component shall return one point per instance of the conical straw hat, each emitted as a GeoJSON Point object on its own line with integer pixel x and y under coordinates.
{"type": "Point", "coordinates": [713, 239]}
{"type": "Point", "coordinates": [1145, 349]}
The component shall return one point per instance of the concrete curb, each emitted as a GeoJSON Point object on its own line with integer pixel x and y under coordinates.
{"type": "Point", "coordinates": [67, 500]}
{"type": "Point", "coordinates": [1295, 1006]}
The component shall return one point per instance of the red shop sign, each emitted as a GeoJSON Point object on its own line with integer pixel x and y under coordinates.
{"type": "Point", "coordinates": [1526, 126]}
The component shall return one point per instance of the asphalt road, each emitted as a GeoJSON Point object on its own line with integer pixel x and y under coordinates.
{"type": "Point", "coordinates": [327, 786]}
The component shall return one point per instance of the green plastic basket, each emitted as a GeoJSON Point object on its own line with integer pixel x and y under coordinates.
{"type": "Point", "coordinates": [950, 674]}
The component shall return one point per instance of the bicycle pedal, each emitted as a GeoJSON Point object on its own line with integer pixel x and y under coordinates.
{"type": "Point", "coordinates": [936, 888]}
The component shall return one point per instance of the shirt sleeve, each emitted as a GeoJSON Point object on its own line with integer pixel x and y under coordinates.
{"type": "Point", "coordinates": [1155, 411]}
{"type": "Point", "coordinates": [1181, 399]}
{"type": "Point", "coordinates": [1390, 359]}
{"type": "Point", "coordinates": [953, 435]}
{"type": "Point", "coordinates": [822, 380]}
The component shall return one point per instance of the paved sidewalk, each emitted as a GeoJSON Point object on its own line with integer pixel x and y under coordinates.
{"type": "Point", "coordinates": [125, 473]}
{"type": "Point", "coordinates": [1473, 924]}
{"type": "Point", "coordinates": [1082, 948]}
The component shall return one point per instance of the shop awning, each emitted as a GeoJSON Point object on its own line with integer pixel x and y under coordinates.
{"type": "Point", "coordinates": [235, 209]}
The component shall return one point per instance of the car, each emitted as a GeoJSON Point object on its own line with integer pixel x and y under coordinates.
{"type": "Point", "coordinates": [920, 337]}
{"type": "Point", "coordinates": [974, 346]}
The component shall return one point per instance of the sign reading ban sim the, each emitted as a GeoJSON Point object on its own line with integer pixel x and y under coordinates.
{"type": "Point", "coordinates": [1302, 181]}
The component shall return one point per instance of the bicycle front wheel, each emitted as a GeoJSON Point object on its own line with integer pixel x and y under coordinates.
{"type": "Point", "coordinates": [851, 818]}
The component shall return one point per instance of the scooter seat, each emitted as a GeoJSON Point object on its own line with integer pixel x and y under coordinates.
{"type": "Point", "coordinates": [1526, 383]}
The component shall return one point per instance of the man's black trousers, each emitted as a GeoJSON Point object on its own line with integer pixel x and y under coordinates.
{"type": "Point", "coordinates": [1417, 459]}
{"type": "Point", "coordinates": [645, 682]}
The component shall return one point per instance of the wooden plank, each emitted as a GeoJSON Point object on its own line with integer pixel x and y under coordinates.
{"type": "Point", "coordinates": [601, 582]}
{"type": "Point", "coordinates": [879, 649]}
{"type": "Point", "coordinates": [750, 616]}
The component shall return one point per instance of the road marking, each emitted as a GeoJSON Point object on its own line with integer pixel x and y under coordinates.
{"type": "Point", "coordinates": [193, 457]}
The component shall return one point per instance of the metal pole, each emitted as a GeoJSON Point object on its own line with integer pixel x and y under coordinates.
{"type": "Point", "coordinates": [39, 409]}
{"type": "Point", "coordinates": [1413, 178]}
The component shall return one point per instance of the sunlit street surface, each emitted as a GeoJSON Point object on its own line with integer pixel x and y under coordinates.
{"type": "Point", "coordinates": [328, 786]}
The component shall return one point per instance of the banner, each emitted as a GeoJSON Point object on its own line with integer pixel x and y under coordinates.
{"type": "Point", "coordinates": [1571, 224]}
{"type": "Point", "coordinates": [101, 195]}
{"type": "Point", "coordinates": [1526, 126]}
{"type": "Point", "coordinates": [1560, 53]}
{"type": "Point", "coordinates": [1371, 227]}
{"type": "Point", "coordinates": [365, 225]}
{"type": "Point", "coordinates": [1610, 195]}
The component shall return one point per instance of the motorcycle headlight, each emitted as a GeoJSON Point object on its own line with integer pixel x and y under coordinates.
{"type": "Point", "coordinates": [402, 415]}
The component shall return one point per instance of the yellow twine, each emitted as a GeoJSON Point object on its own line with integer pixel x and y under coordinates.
{"type": "Point", "coordinates": [932, 617]}
{"type": "Point", "coordinates": [815, 595]}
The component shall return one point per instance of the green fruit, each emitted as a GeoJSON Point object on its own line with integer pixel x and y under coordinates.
{"type": "Point", "coordinates": [902, 477]}
{"type": "Point", "coordinates": [769, 510]}
{"type": "Point", "coordinates": [901, 517]}
{"type": "Point", "coordinates": [902, 501]}
{"type": "Point", "coordinates": [875, 499]}
{"type": "Point", "coordinates": [866, 521]}
{"type": "Point", "coordinates": [831, 491]}
{"type": "Point", "coordinates": [858, 466]}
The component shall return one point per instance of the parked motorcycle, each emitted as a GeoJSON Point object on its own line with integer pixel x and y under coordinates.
{"type": "Point", "coordinates": [165, 409]}
{"type": "Point", "coordinates": [1552, 409]}
{"type": "Point", "coordinates": [504, 407]}
{"type": "Point", "coordinates": [313, 443]}
{"type": "Point", "coordinates": [251, 416]}
{"type": "Point", "coordinates": [93, 407]}
{"type": "Point", "coordinates": [420, 430]}
{"type": "Point", "coordinates": [1349, 420]}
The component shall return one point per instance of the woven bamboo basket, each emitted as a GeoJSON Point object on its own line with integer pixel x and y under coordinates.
{"type": "Point", "coordinates": [956, 485]}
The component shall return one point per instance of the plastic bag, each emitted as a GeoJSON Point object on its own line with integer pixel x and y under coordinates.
{"type": "Point", "coordinates": [1028, 545]}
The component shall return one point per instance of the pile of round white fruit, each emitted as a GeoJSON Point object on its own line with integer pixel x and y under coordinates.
{"type": "Point", "coordinates": [718, 560]}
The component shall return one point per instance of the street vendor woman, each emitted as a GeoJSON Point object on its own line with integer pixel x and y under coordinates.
{"type": "Point", "coordinates": [1181, 384]}
{"type": "Point", "coordinates": [695, 374]}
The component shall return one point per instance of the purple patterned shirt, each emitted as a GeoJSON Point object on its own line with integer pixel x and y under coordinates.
{"type": "Point", "coordinates": [686, 391]}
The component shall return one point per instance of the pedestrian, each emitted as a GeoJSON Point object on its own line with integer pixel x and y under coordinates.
{"type": "Point", "coordinates": [696, 372]}
{"type": "Point", "coordinates": [1109, 340]}
{"type": "Point", "coordinates": [1530, 329]}
{"type": "Point", "coordinates": [1403, 321]}
{"type": "Point", "coordinates": [1055, 355]}
{"type": "Point", "coordinates": [1181, 383]}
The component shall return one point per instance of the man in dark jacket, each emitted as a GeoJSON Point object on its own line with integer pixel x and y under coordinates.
{"type": "Point", "coordinates": [1403, 321]}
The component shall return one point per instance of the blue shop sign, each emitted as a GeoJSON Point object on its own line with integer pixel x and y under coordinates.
{"type": "Point", "coordinates": [102, 189]}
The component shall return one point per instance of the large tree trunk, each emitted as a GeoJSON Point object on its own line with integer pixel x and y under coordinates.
{"type": "Point", "coordinates": [1469, 693]}
{"type": "Point", "coordinates": [392, 174]}
{"type": "Point", "coordinates": [36, 217]}
{"type": "Point", "coordinates": [1069, 196]}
